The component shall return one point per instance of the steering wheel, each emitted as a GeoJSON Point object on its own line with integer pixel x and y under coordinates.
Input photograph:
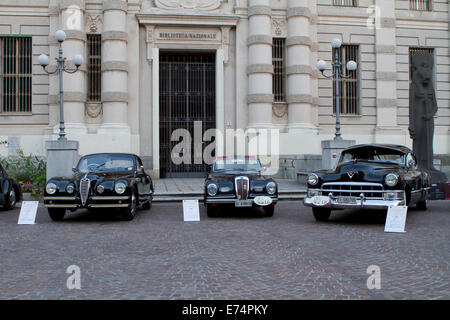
{"type": "Point", "coordinates": [92, 165]}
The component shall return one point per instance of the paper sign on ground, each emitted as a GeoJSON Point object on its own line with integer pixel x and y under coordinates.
{"type": "Point", "coordinates": [191, 211]}
{"type": "Point", "coordinates": [28, 212]}
{"type": "Point", "coordinates": [396, 219]}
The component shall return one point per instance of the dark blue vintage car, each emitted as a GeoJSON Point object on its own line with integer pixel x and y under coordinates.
{"type": "Point", "coordinates": [104, 180]}
{"type": "Point", "coordinates": [369, 176]}
{"type": "Point", "coordinates": [239, 182]}
{"type": "Point", "coordinates": [10, 191]}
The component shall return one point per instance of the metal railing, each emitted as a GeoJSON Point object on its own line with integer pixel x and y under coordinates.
{"type": "Point", "coordinates": [279, 76]}
{"type": "Point", "coordinates": [15, 74]}
{"type": "Point", "coordinates": [421, 5]}
{"type": "Point", "coordinates": [345, 3]}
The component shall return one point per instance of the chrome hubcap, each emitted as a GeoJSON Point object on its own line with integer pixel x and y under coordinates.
{"type": "Point", "coordinates": [133, 203]}
{"type": "Point", "coordinates": [12, 197]}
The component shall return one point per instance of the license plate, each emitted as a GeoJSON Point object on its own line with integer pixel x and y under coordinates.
{"type": "Point", "coordinates": [320, 200]}
{"type": "Point", "coordinates": [243, 203]}
{"type": "Point", "coordinates": [347, 200]}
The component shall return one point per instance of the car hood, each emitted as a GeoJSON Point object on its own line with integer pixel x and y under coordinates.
{"type": "Point", "coordinates": [96, 176]}
{"type": "Point", "coordinates": [221, 178]}
{"type": "Point", "coordinates": [360, 171]}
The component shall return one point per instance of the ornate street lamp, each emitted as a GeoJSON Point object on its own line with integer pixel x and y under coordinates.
{"type": "Point", "coordinates": [337, 73]}
{"type": "Point", "coordinates": [44, 60]}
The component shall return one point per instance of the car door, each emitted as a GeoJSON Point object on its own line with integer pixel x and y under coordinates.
{"type": "Point", "coordinates": [144, 181]}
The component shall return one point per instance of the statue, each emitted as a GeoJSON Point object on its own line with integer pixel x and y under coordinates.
{"type": "Point", "coordinates": [422, 108]}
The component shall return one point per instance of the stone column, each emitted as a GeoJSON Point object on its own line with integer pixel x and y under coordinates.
{"type": "Point", "coordinates": [298, 69]}
{"type": "Point", "coordinates": [72, 22]}
{"type": "Point", "coordinates": [115, 69]}
{"type": "Point", "coordinates": [260, 69]}
{"type": "Point", "coordinates": [386, 73]}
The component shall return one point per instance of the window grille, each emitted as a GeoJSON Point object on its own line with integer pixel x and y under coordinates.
{"type": "Point", "coordinates": [346, 3]}
{"type": "Point", "coordinates": [279, 77]}
{"type": "Point", "coordinates": [421, 5]}
{"type": "Point", "coordinates": [348, 87]}
{"type": "Point", "coordinates": [412, 51]}
{"type": "Point", "coordinates": [15, 74]}
{"type": "Point", "coordinates": [94, 67]}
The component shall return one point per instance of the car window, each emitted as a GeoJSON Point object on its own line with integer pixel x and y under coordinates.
{"type": "Point", "coordinates": [236, 164]}
{"type": "Point", "coordinates": [373, 154]}
{"type": "Point", "coordinates": [106, 162]}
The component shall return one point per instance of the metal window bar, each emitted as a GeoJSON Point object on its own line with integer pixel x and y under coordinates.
{"type": "Point", "coordinates": [412, 51]}
{"type": "Point", "coordinates": [348, 88]}
{"type": "Point", "coordinates": [279, 76]}
{"type": "Point", "coordinates": [15, 74]}
{"type": "Point", "coordinates": [94, 67]}
{"type": "Point", "coordinates": [346, 3]}
{"type": "Point", "coordinates": [420, 5]}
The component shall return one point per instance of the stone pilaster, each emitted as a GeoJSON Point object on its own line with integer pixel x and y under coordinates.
{"type": "Point", "coordinates": [260, 68]}
{"type": "Point", "coordinates": [298, 67]}
{"type": "Point", "coordinates": [386, 72]}
{"type": "Point", "coordinates": [114, 68]}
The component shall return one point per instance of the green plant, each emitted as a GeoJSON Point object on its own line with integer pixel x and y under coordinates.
{"type": "Point", "coordinates": [28, 170]}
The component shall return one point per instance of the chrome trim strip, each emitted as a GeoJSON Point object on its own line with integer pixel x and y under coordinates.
{"type": "Point", "coordinates": [110, 198]}
{"type": "Point", "coordinates": [59, 198]}
{"type": "Point", "coordinates": [60, 205]}
{"type": "Point", "coordinates": [111, 205]}
{"type": "Point", "coordinates": [354, 191]}
{"type": "Point", "coordinates": [353, 184]}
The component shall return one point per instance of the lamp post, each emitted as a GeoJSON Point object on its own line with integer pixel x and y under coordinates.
{"type": "Point", "coordinates": [43, 60]}
{"type": "Point", "coordinates": [336, 74]}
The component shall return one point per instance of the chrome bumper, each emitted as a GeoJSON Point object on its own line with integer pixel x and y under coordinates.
{"type": "Point", "coordinates": [94, 202]}
{"type": "Point", "coordinates": [232, 200]}
{"type": "Point", "coordinates": [361, 203]}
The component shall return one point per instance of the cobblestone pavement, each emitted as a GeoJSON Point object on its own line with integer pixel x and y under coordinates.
{"type": "Point", "coordinates": [240, 255]}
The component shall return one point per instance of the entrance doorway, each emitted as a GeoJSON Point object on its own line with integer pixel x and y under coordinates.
{"type": "Point", "coordinates": [187, 96]}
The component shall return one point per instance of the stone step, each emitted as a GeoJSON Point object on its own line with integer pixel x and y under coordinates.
{"type": "Point", "coordinates": [171, 197]}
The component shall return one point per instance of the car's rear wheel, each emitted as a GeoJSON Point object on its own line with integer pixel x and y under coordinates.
{"type": "Point", "coordinates": [11, 199]}
{"type": "Point", "coordinates": [57, 214]}
{"type": "Point", "coordinates": [211, 211]}
{"type": "Point", "coordinates": [130, 211]}
{"type": "Point", "coordinates": [147, 205]}
{"type": "Point", "coordinates": [269, 210]}
{"type": "Point", "coordinates": [321, 214]}
{"type": "Point", "coordinates": [422, 205]}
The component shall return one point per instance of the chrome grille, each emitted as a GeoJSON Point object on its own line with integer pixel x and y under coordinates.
{"type": "Point", "coordinates": [353, 189]}
{"type": "Point", "coordinates": [85, 184]}
{"type": "Point", "coordinates": [242, 187]}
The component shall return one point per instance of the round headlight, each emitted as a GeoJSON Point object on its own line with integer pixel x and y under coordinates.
{"type": "Point", "coordinates": [70, 188]}
{"type": "Point", "coordinates": [211, 189]}
{"type": "Point", "coordinates": [50, 188]}
{"type": "Point", "coordinates": [271, 187]}
{"type": "Point", "coordinates": [120, 187]}
{"type": "Point", "coordinates": [313, 179]}
{"type": "Point", "coordinates": [391, 179]}
{"type": "Point", "coordinates": [100, 189]}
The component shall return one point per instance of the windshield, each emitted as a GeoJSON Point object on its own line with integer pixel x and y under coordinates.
{"type": "Point", "coordinates": [106, 162]}
{"type": "Point", "coordinates": [237, 165]}
{"type": "Point", "coordinates": [373, 155]}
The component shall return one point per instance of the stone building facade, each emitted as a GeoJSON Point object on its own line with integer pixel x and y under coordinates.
{"type": "Point", "coordinates": [147, 46]}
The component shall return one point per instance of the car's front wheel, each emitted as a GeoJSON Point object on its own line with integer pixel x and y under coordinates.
{"type": "Point", "coordinates": [321, 214]}
{"type": "Point", "coordinates": [269, 210]}
{"type": "Point", "coordinates": [11, 199]}
{"type": "Point", "coordinates": [422, 205]}
{"type": "Point", "coordinates": [130, 211]}
{"type": "Point", "coordinates": [57, 214]}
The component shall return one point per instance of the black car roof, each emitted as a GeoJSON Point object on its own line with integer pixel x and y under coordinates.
{"type": "Point", "coordinates": [396, 147]}
{"type": "Point", "coordinates": [115, 153]}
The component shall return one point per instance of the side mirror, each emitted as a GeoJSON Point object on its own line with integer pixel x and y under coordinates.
{"type": "Point", "coordinates": [74, 169]}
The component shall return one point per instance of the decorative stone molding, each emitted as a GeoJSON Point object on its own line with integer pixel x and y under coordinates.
{"type": "Point", "coordinates": [386, 103]}
{"type": "Point", "coordinates": [225, 42]}
{"type": "Point", "coordinates": [260, 98]}
{"type": "Point", "coordinates": [280, 110]}
{"type": "Point", "coordinates": [259, 10]}
{"type": "Point", "coordinates": [204, 5]}
{"type": "Point", "coordinates": [93, 109]}
{"type": "Point", "coordinates": [115, 66]}
{"type": "Point", "coordinates": [75, 35]}
{"type": "Point", "coordinates": [299, 69]}
{"type": "Point", "coordinates": [279, 27]}
{"type": "Point", "coordinates": [387, 22]}
{"type": "Point", "coordinates": [94, 23]}
{"type": "Point", "coordinates": [53, 11]}
{"type": "Point", "coordinates": [68, 97]}
{"type": "Point", "coordinates": [69, 4]}
{"type": "Point", "coordinates": [387, 49]}
{"type": "Point", "coordinates": [114, 5]}
{"type": "Point", "coordinates": [115, 35]}
{"type": "Point", "coordinates": [114, 96]}
{"type": "Point", "coordinates": [299, 12]}
{"type": "Point", "coordinates": [298, 40]}
{"type": "Point", "coordinates": [387, 76]}
{"type": "Point", "coordinates": [299, 98]}
{"type": "Point", "coordinates": [260, 68]}
{"type": "Point", "coordinates": [259, 39]}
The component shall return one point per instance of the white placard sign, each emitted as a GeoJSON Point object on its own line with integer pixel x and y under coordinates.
{"type": "Point", "coordinates": [28, 212]}
{"type": "Point", "coordinates": [396, 219]}
{"type": "Point", "coordinates": [191, 211]}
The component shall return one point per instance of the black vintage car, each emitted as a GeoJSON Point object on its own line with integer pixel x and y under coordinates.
{"type": "Point", "coordinates": [369, 176]}
{"type": "Point", "coordinates": [238, 182]}
{"type": "Point", "coordinates": [10, 191]}
{"type": "Point", "coordinates": [104, 180]}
